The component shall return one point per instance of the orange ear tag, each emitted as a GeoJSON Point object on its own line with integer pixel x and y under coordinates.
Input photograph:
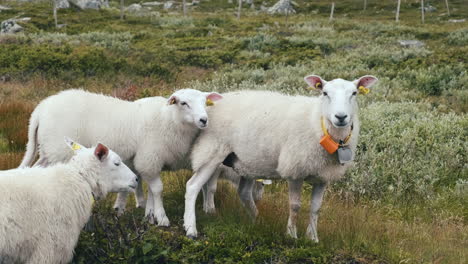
{"type": "Point", "coordinates": [329, 144]}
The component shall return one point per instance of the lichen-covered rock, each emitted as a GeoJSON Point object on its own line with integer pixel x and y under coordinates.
{"type": "Point", "coordinates": [155, 3]}
{"type": "Point", "coordinates": [282, 7]}
{"type": "Point", "coordinates": [60, 4]}
{"type": "Point", "coordinates": [411, 43]}
{"type": "Point", "coordinates": [88, 4]}
{"type": "Point", "coordinates": [168, 5]}
{"type": "Point", "coordinates": [10, 26]}
{"type": "Point", "coordinates": [133, 8]}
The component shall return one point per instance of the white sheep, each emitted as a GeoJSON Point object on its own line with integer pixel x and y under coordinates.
{"type": "Point", "coordinates": [224, 172]}
{"type": "Point", "coordinates": [42, 210]}
{"type": "Point", "coordinates": [266, 134]}
{"type": "Point", "coordinates": [149, 134]}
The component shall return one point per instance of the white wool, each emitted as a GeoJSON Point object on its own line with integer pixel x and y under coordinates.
{"type": "Point", "coordinates": [270, 135]}
{"type": "Point", "coordinates": [43, 210]}
{"type": "Point", "coordinates": [279, 138]}
{"type": "Point", "coordinates": [149, 134]}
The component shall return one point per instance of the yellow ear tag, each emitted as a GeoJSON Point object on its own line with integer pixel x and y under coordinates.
{"type": "Point", "coordinates": [209, 102]}
{"type": "Point", "coordinates": [318, 85]}
{"type": "Point", "coordinates": [75, 147]}
{"type": "Point", "coordinates": [363, 90]}
{"type": "Point", "coordinates": [92, 200]}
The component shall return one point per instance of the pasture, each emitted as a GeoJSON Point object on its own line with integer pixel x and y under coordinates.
{"type": "Point", "coordinates": [405, 199]}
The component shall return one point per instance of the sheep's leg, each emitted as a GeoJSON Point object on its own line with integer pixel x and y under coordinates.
{"type": "Point", "coordinates": [245, 193]}
{"type": "Point", "coordinates": [120, 203]}
{"type": "Point", "coordinates": [149, 208]}
{"type": "Point", "coordinates": [139, 194]}
{"type": "Point", "coordinates": [155, 186]}
{"type": "Point", "coordinates": [193, 188]}
{"type": "Point", "coordinates": [209, 190]}
{"type": "Point", "coordinates": [41, 162]}
{"type": "Point", "coordinates": [258, 191]}
{"type": "Point", "coordinates": [295, 189]}
{"type": "Point", "coordinates": [315, 204]}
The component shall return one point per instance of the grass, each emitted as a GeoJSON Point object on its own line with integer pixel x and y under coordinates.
{"type": "Point", "coordinates": [403, 202]}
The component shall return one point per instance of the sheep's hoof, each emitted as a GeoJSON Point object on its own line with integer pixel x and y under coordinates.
{"type": "Point", "coordinates": [119, 211]}
{"type": "Point", "coordinates": [164, 222]}
{"type": "Point", "coordinates": [312, 235]}
{"type": "Point", "coordinates": [292, 232]}
{"type": "Point", "coordinates": [210, 210]}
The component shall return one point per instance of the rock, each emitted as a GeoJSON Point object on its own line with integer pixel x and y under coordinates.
{"type": "Point", "coordinates": [195, 2]}
{"type": "Point", "coordinates": [4, 8]}
{"type": "Point", "coordinates": [155, 3]}
{"type": "Point", "coordinates": [23, 19]}
{"type": "Point", "coordinates": [282, 7]}
{"type": "Point", "coordinates": [62, 4]}
{"type": "Point", "coordinates": [430, 8]}
{"type": "Point", "coordinates": [411, 43]}
{"type": "Point", "coordinates": [5, 78]}
{"type": "Point", "coordinates": [168, 5]}
{"type": "Point", "coordinates": [133, 8]}
{"type": "Point", "coordinates": [10, 26]}
{"type": "Point", "coordinates": [88, 4]}
{"type": "Point", "coordinates": [457, 20]}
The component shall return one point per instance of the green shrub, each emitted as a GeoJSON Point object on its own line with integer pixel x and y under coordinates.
{"type": "Point", "coordinates": [458, 37]}
{"type": "Point", "coordinates": [408, 151]}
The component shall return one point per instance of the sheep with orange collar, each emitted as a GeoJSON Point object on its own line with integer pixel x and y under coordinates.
{"type": "Point", "coordinates": [266, 134]}
{"type": "Point", "coordinates": [43, 210]}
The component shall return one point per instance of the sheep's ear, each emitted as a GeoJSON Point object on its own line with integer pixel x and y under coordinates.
{"type": "Point", "coordinates": [211, 97]}
{"type": "Point", "coordinates": [73, 145]}
{"type": "Point", "coordinates": [315, 82]}
{"type": "Point", "coordinates": [101, 151]}
{"type": "Point", "coordinates": [366, 81]}
{"type": "Point", "coordinates": [172, 100]}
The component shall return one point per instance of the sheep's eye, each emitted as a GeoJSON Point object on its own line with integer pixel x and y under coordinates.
{"type": "Point", "coordinates": [354, 93]}
{"type": "Point", "coordinates": [325, 93]}
{"type": "Point", "coordinates": [183, 103]}
{"type": "Point", "coordinates": [117, 163]}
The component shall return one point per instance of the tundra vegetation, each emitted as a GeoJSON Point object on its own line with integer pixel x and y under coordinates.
{"type": "Point", "coordinates": [405, 200]}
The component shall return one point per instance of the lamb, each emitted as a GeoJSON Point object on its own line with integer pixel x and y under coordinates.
{"type": "Point", "coordinates": [266, 134]}
{"type": "Point", "coordinates": [43, 210]}
{"type": "Point", "coordinates": [149, 134]}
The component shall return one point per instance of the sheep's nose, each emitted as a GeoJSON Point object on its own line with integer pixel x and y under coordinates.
{"type": "Point", "coordinates": [203, 120]}
{"type": "Point", "coordinates": [341, 117]}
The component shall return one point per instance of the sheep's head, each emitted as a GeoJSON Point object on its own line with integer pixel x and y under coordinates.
{"type": "Point", "coordinates": [191, 105]}
{"type": "Point", "coordinates": [110, 173]}
{"type": "Point", "coordinates": [339, 97]}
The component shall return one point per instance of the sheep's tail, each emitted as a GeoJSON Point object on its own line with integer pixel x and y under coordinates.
{"type": "Point", "coordinates": [31, 147]}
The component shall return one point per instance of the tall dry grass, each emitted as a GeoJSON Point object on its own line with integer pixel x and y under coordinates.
{"type": "Point", "coordinates": [14, 124]}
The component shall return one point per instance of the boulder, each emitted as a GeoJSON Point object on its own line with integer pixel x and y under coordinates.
{"type": "Point", "coordinates": [2, 7]}
{"type": "Point", "coordinates": [168, 5]}
{"type": "Point", "coordinates": [155, 3]}
{"type": "Point", "coordinates": [60, 4]}
{"type": "Point", "coordinates": [282, 7]}
{"type": "Point", "coordinates": [88, 4]}
{"type": "Point", "coordinates": [133, 8]}
{"type": "Point", "coordinates": [411, 43]}
{"type": "Point", "coordinates": [10, 26]}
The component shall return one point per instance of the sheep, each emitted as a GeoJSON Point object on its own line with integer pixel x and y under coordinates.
{"type": "Point", "coordinates": [224, 172]}
{"type": "Point", "coordinates": [267, 134]}
{"type": "Point", "coordinates": [43, 210]}
{"type": "Point", "coordinates": [149, 134]}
